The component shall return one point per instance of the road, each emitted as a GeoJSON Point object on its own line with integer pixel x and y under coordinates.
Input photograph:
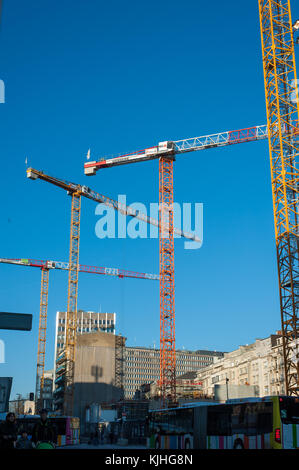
{"type": "Point", "coordinates": [102, 446]}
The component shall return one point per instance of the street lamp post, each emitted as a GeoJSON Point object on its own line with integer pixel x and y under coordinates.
{"type": "Point", "coordinates": [227, 380]}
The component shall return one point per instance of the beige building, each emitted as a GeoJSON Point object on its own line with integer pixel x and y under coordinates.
{"type": "Point", "coordinates": [97, 375]}
{"type": "Point", "coordinates": [95, 378]}
{"type": "Point", "coordinates": [22, 407]}
{"type": "Point", "coordinates": [259, 365]}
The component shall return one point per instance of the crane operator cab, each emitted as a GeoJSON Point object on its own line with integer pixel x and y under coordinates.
{"type": "Point", "coordinates": [167, 147]}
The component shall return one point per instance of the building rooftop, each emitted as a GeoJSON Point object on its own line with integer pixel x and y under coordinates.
{"type": "Point", "coordinates": [185, 351]}
{"type": "Point", "coordinates": [188, 376]}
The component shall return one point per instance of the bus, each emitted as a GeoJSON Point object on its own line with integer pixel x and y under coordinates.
{"type": "Point", "coordinates": [250, 423]}
{"type": "Point", "coordinates": [68, 428]}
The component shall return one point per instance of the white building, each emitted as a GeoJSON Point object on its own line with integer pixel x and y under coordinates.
{"type": "Point", "coordinates": [259, 364]}
{"type": "Point", "coordinates": [87, 322]}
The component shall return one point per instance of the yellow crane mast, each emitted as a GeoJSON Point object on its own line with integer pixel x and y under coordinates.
{"type": "Point", "coordinates": [42, 332]}
{"type": "Point", "coordinates": [71, 316]}
{"type": "Point", "coordinates": [282, 119]}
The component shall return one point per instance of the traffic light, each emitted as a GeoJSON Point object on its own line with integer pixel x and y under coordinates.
{"type": "Point", "coordinates": [31, 396]}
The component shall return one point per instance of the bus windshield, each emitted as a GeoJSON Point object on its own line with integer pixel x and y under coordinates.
{"type": "Point", "coordinates": [289, 410]}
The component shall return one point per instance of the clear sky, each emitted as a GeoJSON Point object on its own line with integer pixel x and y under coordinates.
{"type": "Point", "coordinates": [115, 77]}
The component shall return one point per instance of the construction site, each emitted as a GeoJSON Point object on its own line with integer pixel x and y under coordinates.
{"type": "Point", "coordinates": [104, 376]}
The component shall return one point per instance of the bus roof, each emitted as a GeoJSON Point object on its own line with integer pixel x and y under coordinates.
{"type": "Point", "coordinates": [227, 402]}
{"type": "Point", "coordinates": [188, 405]}
{"type": "Point", "coordinates": [250, 399]}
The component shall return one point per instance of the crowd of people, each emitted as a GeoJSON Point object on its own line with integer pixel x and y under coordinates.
{"type": "Point", "coordinates": [14, 437]}
{"type": "Point", "coordinates": [104, 435]}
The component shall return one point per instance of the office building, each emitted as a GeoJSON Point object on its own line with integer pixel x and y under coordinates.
{"type": "Point", "coordinates": [87, 322]}
{"type": "Point", "coordinates": [142, 365]}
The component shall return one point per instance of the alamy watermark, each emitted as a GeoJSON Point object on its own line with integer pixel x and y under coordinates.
{"type": "Point", "coordinates": [2, 92]}
{"type": "Point", "coordinates": [294, 84]}
{"type": "Point", "coordinates": [295, 355]}
{"type": "Point", "coordinates": [2, 352]}
{"type": "Point", "coordinates": [187, 222]}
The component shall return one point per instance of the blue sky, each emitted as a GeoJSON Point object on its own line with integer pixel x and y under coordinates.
{"type": "Point", "coordinates": [115, 77]}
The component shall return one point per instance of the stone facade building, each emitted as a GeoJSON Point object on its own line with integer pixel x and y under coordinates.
{"type": "Point", "coordinates": [259, 364]}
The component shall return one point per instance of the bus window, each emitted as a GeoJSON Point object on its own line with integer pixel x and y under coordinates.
{"type": "Point", "coordinates": [219, 421]}
{"type": "Point", "coordinates": [265, 418]}
{"type": "Point", "coordinates": [251, 418]}
{"type": "Point", "coordinates": [171, 422]}
{"type": "Point", "coordinates": [184, 420]}
{"type": "Point", "coordinates": [160, 422]}
{"type": "Point", "coordinates": [289, 410]}
{"type": "Point", "coordinates": [258, 417]}
{"type": "Point", "coordinates": [238, 419]}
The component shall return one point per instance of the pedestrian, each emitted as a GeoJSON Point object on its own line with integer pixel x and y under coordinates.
{"type": "Point", "coordinates": [102, 433]}
{"type": "Point", "coordinates": [23, 442]}
{"type": "Point", "coordinates": [8, 432]}
{"type": "Point", "coordinates": [90, 438]}
{"type": "Point", "coordinates": [44, 432]}
{"type": "Point", "coordinates": [95, 439]}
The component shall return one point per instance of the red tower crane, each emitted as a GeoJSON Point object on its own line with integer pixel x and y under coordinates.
{"type": "Point", "coordinates": [166, 152]}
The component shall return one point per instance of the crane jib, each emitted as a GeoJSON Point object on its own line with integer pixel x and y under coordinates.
{"type": "Point", "coordinates": [171, 148]}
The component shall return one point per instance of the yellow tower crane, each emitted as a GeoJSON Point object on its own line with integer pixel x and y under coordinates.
{"type": "Point", "coordinates": [76, 191]}
{"type": "Point", "coordinates": [281, 92]}
{"type": "Point", "coordinates": [42, 335]}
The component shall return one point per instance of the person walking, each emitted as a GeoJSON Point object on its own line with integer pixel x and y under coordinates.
{"type": "Point", "coordinates": [102, 433]}
{"type": "Point", "coordinates": [44, 432]}
{"type": "Point", "coordinates": [8, 432]}
{"type": "Point", "coordinates": [111, 436]}
{"type": "Point", "coordinates": [95, 440]}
